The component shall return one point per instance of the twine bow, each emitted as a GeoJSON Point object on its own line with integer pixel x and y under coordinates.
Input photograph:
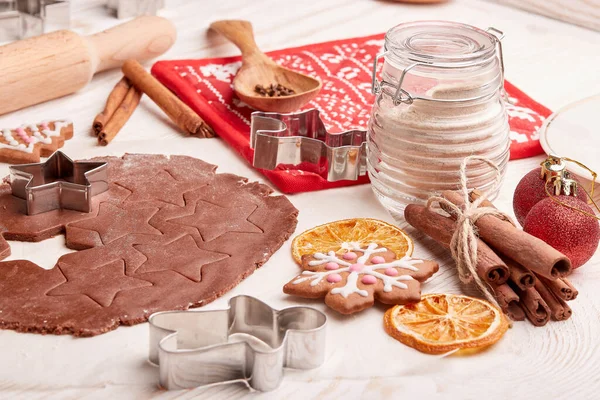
{"type": "Point", "coordinates": [463, 245]}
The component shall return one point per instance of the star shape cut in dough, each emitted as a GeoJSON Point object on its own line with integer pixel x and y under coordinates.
{"type": "Point", "coordinates": [113, 222]}
{"type": "Point", "coordinates": [162, 187]}
{"type": "Point", "coordinates": [181, 255]}
{"type": "Point", "coordinates": [213, 221]}
{"type": "Point", "coordinates": [100, 284]}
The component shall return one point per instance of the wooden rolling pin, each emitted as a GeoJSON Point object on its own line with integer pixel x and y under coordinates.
{"type": "Point", "coordinates": [45, 67]}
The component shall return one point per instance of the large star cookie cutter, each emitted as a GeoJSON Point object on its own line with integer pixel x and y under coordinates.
{"type": "Point", "coordinates": [301, 141]}
{"type": "Point", "coordinates": [59, 183]}
{"type": "Point", "coordinates": [197, 348]}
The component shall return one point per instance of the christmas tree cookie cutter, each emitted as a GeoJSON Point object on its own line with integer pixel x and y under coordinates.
{"type": "Point", "coordinates": [301, 141]}
{"type": "Point", "coordinates": [198, 348]}
{"type": "Point", "coordinates": [58, 183]}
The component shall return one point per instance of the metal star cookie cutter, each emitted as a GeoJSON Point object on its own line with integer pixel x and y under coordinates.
{"type": "Point", "coordinates": [195, 348]}
{"type": "Point", "coordinates": [59, 183]}
{"type": "Point", "coordinates": [281, 140]}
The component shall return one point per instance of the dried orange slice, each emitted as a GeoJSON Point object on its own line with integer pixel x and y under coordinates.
{"type": "Point", "coordinates": [339, 235]}
{"type": "Point", "coordinates": [444, 322]}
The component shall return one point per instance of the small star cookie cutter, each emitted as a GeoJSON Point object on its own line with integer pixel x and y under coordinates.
{"type": "Point", "coordinates": [301, 139]}
{"type": "Point", "coordinates": [198, 348]}
{"type": "Point", "coordinates": [59, 183]}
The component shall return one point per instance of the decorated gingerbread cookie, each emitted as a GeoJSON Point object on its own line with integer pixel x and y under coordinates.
{"type": "Point", "coordinates": [350, 281]}
{"type": "Point", "coordinates": [27, 143]}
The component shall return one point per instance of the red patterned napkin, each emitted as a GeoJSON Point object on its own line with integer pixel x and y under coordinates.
{"type": "Point", "coordinates": [345, 100]}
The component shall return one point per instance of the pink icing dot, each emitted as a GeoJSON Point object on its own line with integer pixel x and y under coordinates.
{"type": "Point", "coordinates": [332, 265]}
{"type": "Point", "coordinates": [369, 280]}
{"type": "Point", "coordinates": [334, 278]}
{"type": "Point", "coordinates": [391, 272]}
{"type": "Point", "coordinates": [350, 256]}
{"type": "Point", "coordinates": [377, 260]}
{"type": "Point", "coordinates": [356, 267]}
{"type": "Point", "coordinates": [21, 132]}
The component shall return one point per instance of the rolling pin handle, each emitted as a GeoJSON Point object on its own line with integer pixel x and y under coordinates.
{"type": "Point", "coordinates": [143, 38]}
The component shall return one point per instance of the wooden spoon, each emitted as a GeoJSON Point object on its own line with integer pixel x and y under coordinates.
{"type": "Point", "coordinates": [258, 69]}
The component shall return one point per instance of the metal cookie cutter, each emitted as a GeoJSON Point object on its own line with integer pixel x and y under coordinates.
{"type": "Point", "coordinates": [24, 18]}
{"type": "Point", "coordinates": [59, 183]}
{"type": "Point", "coordinates": [196, 348]}
{"type": "Point", "coordinates": [301, 138]}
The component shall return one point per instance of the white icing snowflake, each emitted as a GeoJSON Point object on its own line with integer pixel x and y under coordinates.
{"type": "Point", "coordinates": [358, 269]}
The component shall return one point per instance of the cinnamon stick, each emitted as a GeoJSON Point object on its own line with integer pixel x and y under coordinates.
{"type": "Point", "coordinates": [182, 115]}
{"type": "Point", "coordinates": [561, 288]}
{"type": "Point", "coordinates": [559, 310]}
{"type": "Point", "coordinates": [508, 301]}
{"type": "Point", "coordinates": [516, 244]}
{"type": "Point", "coordinates": [120, 116]}
{"type": "Point", "coordinates": [521, 276]}
{"type": "Point", "coordinates": [536, 309]}
{"type": "Point", "coordinates": [4, 248]}
{"type": "Point", "coordinates": [570, 291]}
{"type": "Point", "coordinates": [489, 266]}
{"type": "Point", "coordinates": [115, 98]}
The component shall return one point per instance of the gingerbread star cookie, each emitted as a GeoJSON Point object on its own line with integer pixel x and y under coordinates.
{"type": "Point", "coordinates": [351, 281]}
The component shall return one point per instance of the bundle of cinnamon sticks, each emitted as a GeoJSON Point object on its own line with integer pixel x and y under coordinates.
{"type": "Point", "coordinates": [125, 97]}
{"type": "Point", "coordinates": [121, 103]}
{"type": "Point", "coordinates": [527, 276]}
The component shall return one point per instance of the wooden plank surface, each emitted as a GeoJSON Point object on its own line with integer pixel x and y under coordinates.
{"type": "Point", "coordinates": [556, 63]}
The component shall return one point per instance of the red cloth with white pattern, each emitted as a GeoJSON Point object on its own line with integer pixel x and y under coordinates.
{"type": "Point", "coordinates": [344, 66]}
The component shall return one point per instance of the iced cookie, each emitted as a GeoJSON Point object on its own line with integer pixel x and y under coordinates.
{"type": "Point", "coordinates": [351, 280]}
{"type": "Point", "coordinates": [27, 143]}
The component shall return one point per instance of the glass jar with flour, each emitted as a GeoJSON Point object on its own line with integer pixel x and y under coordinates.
{"type": "Point", "coordinates": [440, 99]}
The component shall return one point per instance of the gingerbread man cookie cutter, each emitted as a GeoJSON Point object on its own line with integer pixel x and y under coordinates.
{"type": "Point", "coordinates": [300, 138]}
{"type": "Point", "coordinates": [59, 182]}
{"type": "Point", "coordinates": [198, 348]}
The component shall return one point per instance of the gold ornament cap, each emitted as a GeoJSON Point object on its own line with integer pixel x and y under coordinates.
{"type": "Point", "coordinates": [554, 171]}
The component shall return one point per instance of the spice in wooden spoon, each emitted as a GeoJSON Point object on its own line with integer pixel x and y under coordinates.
{"type": "Point", "coordinates": [258, 69]}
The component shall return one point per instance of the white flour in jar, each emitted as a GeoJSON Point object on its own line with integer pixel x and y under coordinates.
{"type": "Point", "coordinates": [419, 146]}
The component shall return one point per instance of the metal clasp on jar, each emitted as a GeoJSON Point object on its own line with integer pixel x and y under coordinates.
{"type": "Point", "coordinates": [402, 96]}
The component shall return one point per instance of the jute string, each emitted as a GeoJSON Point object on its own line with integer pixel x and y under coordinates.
{"type": "Point", "coordinates": [463, 245]}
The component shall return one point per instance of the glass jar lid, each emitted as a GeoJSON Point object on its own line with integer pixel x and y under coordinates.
{"type": "Point", "coordinates": [440, 60]}
{"type": "Point", "coordinates": [440, 42]}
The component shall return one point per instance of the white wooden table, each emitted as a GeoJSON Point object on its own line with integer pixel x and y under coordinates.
{"type": "Point", "coordinates": [554, 62]}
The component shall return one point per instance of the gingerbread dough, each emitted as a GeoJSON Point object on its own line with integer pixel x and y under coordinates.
{"type": "Point", "coordinates": [169, 234]}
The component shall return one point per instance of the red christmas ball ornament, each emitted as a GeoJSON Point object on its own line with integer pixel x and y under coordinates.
{"type": "Point", "coordinates": [568, 230]}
